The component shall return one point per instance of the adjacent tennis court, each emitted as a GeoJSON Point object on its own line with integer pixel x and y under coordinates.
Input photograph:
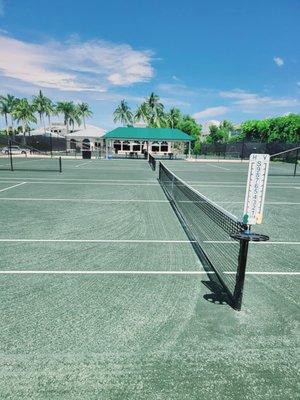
{"type": "Point", "coordinates": [103, 296]}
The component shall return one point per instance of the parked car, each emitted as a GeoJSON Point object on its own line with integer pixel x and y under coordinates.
{"type": "Point", "coordinates": [14, 150]}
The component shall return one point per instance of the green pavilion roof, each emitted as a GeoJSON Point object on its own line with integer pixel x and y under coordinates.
{"type": "Point", "coordinates": [153, 134]}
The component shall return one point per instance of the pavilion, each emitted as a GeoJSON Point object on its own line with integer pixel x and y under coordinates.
{"type": "Point", "coordinates": [137, 141]}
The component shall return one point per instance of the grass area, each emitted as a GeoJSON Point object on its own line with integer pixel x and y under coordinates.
{"type": "Point", "coordinates": [139, 336]}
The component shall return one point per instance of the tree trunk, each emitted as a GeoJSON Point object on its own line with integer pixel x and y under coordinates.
{"type": "Point", "coordinates": [6, 123]}
{"type": "Point", "coordinates": [23, 128]}
{"type": "Point", "coordinates": [43, 118]}
{"type": "Point", "coordinates": [84, 122]}
{"type": "Point", "coordinates": [12, 123]}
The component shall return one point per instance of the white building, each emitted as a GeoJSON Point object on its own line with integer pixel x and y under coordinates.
{"type": "Point", "coordinates": [90, 137]}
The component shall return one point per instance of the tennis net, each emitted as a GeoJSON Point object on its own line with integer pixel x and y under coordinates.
{"type": "Point", "coordinates": [209, 227]}
{"type": "Point", "coordinates": [152, 161]}
{"type": "Point", "coordinates": [20, 157]}
{"type": "Point", "coordinates": [285, 162]}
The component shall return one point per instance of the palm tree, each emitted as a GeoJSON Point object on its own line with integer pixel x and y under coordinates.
{"type": "Point", "coordinates": [50, 109]}
{"type": "Point", "coordinates": [7, 105]}
{"type": "Point", "coordinates": [173, 117]}
{"type": "Point", "coordinates": [4, 110]}
{"type": "Point", "coordinates": [84, 112]}
{"type": "Point", "coordinates": [75, 116]}
{"type": "Point", "coordinates": [67, 109]}
{"type": "Point", "coordinates": [41, 104]}
{"type": "Point", "coordinates": [156, 110]}
{"type": "Point", "coordinates": [142, 114]}
{"type": "Point", "coordinates": [123, 114]}
{"type": "Point", "coordinates": [24, 112]}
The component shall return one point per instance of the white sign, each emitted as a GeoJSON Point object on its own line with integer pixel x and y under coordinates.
{"type": "Point", "coordinates": [256, 188]}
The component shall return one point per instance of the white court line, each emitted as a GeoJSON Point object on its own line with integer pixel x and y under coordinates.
{"type": "Point", "coordinates": [267, 202]}
{"type": "Point", "coordinates": [192, 182]}
{"type": "Point", "coordinates": [135, 183]}
{"type": "Point", "coordinates": [84, 200]}
{"type": "Point", "coordinates": [98, 272]}
{"type": "Point", "coordinates": [125, 200]}
{"type": "Point", "coordinates": [114, 272]}
{"type": "Point", "coordinates": [80, 165]}
{"type": "Point", "coordinates": [94, 183]}
{"type": "Point", "coordinates": [216, 166]}
{"type": "Point", "coordinates": [95, 241]}
{"type": "Point", "coordinates": [123, 182]}
{"type": "Point", "coordinates": [80, 180]}
{"type": "Point", "coordinates": [11, 187]}
{"type": "Point", "coordinates": [240, 186]}
{"type": "Point", "coordinates": [256, 243]}
{"type": "Point", "coordinates": [135, 241]}
{"type": "Point", "coordinates": [264, 273]}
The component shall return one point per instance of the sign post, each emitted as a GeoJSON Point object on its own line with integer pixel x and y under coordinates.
{"type": "Point", "coordinates": [256, 188]}
{"type": "Point", "coordinates": [253, 213]}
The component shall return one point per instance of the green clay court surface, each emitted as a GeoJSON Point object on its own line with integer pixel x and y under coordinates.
{"type": "Point", "coordinates": [101, 292]}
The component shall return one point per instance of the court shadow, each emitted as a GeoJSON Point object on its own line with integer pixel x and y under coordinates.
{"type": "Point", "coordinates": [217, 295]}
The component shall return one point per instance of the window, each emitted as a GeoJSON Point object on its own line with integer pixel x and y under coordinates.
{"type": "Point", "coordinates": [136, 146]}
{"type": "Point", "coordinates": [164, 147]}
{"type": "Point", "coordinates": [86, 144]}
{"type": "Point", "coordinates": [155, 147]}
{"type": "Point", "coordinates": [117, 145]}
{"type": "Point", "coordinates": [126, 145]}
{"type": "Point", "coordinates": [72, 144]}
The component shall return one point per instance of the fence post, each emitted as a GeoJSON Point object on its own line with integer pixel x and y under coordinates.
{"type": "Point", "coordinates": [51, 145]}
{"type": "Point", "coordinates": [10, 156]}
{"type": "Point", "coordinates": [243, 149]}
{"type": "Point", "coordinates": [296, 162]}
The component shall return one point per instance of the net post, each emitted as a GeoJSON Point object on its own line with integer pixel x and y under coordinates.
{"type": "Point", "coordinates": [240, 276]}
{"type": "Point", "coordinates": [296, 162]}
{"type": "Point", "coordinates": [244, 238]}
{"type": "Point", "coordinates": [60, 165]}
{"type": "Point", "coordinates": [10, 156]}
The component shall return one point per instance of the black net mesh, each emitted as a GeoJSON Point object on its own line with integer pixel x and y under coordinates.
{"type": "Point", "coordinates": [21, 157]}
{"type": "Point", "coordinates": [285, 162]}
{"type": "Point", "coordinates": [206, 223]}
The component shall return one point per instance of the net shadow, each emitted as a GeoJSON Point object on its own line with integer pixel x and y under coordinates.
{"type": "Point", "coordinates": [219, 294]}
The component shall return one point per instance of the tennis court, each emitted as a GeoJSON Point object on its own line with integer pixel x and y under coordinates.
{"type": "Point", "coordinates": [102, 295]}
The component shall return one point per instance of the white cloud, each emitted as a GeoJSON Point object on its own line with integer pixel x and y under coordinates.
{"type": "Point", "coordinates": [298, 83]}
{"type": "Point", "coordinates": [176, 89]}
{"type": "Point", "coordinates": [279, 61]}
{"type": "Point", "coordinates": [74, 65]}
{"type": "Point", "coordinates": [211, 112]}
{"type": "Point", "coordinates": [250, 102]}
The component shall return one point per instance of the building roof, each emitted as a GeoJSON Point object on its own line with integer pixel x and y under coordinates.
{"type": "Point", "coordinates": [41, 131]}
{"type": "Point", "coordinates": [152, 134]}
{"type": "Point", "coordinates": [91, 131]}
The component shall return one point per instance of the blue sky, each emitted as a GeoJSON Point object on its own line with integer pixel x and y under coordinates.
{"type": "Point", "coordinates": [213, 59]}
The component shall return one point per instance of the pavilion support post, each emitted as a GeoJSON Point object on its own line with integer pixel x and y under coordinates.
{"type": "Point", "coordinates": [189, 149]}
{"type": "Point", "coordinates": [106, 149]}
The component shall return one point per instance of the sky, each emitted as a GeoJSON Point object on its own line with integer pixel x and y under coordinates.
{"type": "Point", "coordinates": [215, 60]}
